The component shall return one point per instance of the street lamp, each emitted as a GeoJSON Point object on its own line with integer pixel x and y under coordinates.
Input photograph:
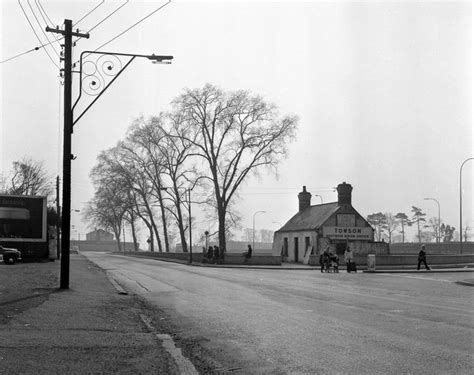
{"type": "Point", "coordinates": [253, 231]}
{"type": "Point", "coordinates": [439, 218]}
{"type": "Point", "coordinates": [103, 72]}
{"type": "Point", "coordinates": [460, 201]}
{"type": "Point", "coordinates": [320, 197]}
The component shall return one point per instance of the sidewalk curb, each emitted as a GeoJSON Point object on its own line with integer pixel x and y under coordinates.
{"type": "Point", "coordinates": [402, 269]}
{"type": "Point", "coordinates": [116, 285]}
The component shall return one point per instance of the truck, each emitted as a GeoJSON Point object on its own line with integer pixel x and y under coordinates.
{"type": "Point", "coordinates": [23, 225]}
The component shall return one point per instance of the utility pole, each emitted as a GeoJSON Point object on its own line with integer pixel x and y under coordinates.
{"type": "Point", "coordinates": [67, 156]}
{"type": "Point", "coordinates": [58, 215]}
{"type": "Point", "coordinates": [69, 121]}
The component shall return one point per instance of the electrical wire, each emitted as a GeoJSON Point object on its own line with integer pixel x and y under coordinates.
{"type": "Point", "coordinates": [46, 14]}
{"type": "Point", "coordinates": [131, 27]}
{"type": "Point", "coordinates": [41, 11]}
{"type": "Point", "coordinates": [87, 15]}
{"type": "Point", "coordinates": [41, 27]}
{"type": "Point", "coordinates": [104, 19]}
{"type": "Point", "coordinates": [37, 37]}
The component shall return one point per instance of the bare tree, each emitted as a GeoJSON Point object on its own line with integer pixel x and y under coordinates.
{"type": "Point", "coordinates": [418, 218]}
{"type": "Point", "coordinates": [28, 177]}
{"type": "Point", "coordinates": [235, 134]}
{"type": "Point", "coordinates": [379, 221]}
{"type": "Point", "coordinates": [390, 225]}
{"type": "Point", "coordinates": [404, 221]}
{"type": "Point", "coordinates": [106, 211]}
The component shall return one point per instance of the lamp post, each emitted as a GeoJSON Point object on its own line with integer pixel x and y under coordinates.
{"type": "Point", "coordinates": [95, 82]}
{"type": "Point", "coordinates": [253, 231]}
{"type": "Point", "coordinates": [439, 218]}
{"type": "Point", "coordinates": [320, 197]}
{"type": "Point", "coordinates": [460, 202]}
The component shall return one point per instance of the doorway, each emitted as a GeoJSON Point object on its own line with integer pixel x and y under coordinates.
{"type": "Point", "coordinates": [296, 249]}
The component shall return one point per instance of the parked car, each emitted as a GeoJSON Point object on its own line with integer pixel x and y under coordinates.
{"type": "Point", "coordinates": [9, 255]}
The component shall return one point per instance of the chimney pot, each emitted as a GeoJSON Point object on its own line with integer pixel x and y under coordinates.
{"type": "Point", "coordinates": [304, 200]}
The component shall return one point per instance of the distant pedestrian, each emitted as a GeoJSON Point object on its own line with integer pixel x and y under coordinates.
{"type": "Point", "coordinates": [326, 257]}
{"type": "Point", "coordinates": [216, 254]}
{"type": "Point", "coordinates": [222, 255]}
{"type": "Point", "coordinates": [321, 261]}
{"type": "Point", "coordinates": [349, 258]}
{"type": "Point", "coordinates": [422, 258]}
{"type": "Point", "coordinates": [210, 254]}
{"type": "Point", "coordinates": [248, 253]}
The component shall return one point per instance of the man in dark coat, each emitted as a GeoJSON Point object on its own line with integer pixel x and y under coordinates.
{"type": "Point", "coordinates": [422, 258]}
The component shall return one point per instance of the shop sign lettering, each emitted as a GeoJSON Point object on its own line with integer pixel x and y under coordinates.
{"type": "Point", "coordinates": [353, 233]}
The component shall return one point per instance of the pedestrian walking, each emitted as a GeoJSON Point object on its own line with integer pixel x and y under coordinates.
{"type": "Point", "coordinates": [210, 254]}
{"type": "Point", "coordinates": [422, 258]}
{"type": "Point", "coordinates": [326, 257]}
{"type": "Point", "coordinates": [248, 253]}
{"type": "Point", "coordinates": [321, 261]}
{"type": "Point", "coordinates": [349, 259]}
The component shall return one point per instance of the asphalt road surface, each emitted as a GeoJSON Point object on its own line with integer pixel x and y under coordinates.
{"type": "Point", "coordinates": [286, 321]}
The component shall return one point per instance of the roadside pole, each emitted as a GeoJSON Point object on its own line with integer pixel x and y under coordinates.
{"type": "Point", "coordinates": [67, 156]}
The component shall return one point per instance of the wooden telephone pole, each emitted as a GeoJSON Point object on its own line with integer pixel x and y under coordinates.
{"type": "Point", "coordinates": [67, 155]}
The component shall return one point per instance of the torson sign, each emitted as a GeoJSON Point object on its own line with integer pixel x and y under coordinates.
{"type": "Point", "coordinates": [349, 233]}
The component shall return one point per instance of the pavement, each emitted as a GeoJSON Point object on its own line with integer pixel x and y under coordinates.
{"type": "Point", "coordinates": [89, 328]}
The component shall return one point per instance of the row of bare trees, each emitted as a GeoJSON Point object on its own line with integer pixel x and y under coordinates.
{"type": "Point", "coordinates": [201, 151]}
{"type": "Point", "coordinates": [385, 224]}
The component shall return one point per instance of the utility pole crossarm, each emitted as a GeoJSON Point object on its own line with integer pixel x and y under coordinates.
{"type": "Point", "coordinates": [57, 30]}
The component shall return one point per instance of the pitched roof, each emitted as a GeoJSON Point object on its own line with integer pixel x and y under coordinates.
{"type": "Point", "coordinates": [311, 218]}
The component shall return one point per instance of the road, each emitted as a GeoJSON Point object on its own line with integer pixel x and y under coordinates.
{"type": "Point", "coordinates": [284, 321]}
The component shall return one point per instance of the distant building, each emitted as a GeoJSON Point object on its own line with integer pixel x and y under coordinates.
{"type": "Point", "coordinates": [335, 224]}
{"type": "Point", "coordinates": [99, 235]}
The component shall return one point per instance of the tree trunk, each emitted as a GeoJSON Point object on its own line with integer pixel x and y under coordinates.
{"type": "Point", "coordinates": [179, 213]}
{"type": "Point", "coordinates": [222, 240]}
{"type": "Point", "coordinates": [153, 224]}
{"type": "Point", "coordinates": [117, 239]}
{"type": "Point", "coordinates": [163, 219]}
{"type": "Point", "coordinates": [134, 234]}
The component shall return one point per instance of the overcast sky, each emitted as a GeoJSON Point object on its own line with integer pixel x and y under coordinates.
{"type": "Point", "coordinates": [383, 91]}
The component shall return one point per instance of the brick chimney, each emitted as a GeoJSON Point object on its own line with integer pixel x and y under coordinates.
{"type": "Point", "coordinates": [344, 193]}
{"type": "Point", "coordinates": [304, 200]}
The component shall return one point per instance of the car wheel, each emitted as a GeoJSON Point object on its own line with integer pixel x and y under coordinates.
{"type": "Point", "coordinates": [9, 259]}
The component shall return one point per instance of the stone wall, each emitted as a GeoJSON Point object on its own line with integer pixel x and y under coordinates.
{"type": "Point", "coordinates": [432, 248]}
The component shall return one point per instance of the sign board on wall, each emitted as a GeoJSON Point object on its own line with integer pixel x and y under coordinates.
{"type": "Point", "coordinates": [22, 218]}
{"type": "Point", "coordinates": [348, 233]}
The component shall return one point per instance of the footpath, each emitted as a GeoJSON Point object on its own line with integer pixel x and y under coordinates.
{"type": "Point", "coordinates": [87, 329]}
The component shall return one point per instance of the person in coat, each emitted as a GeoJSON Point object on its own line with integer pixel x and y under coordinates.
{"type": "Point", "coordinates": [348, 257]}
{"type": "Point", "coordinates": [422, 258]}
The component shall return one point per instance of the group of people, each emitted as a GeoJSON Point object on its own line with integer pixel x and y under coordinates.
{"type": "Point", "coordinates": [328, 260]}
{"type": "Point", "coordinates": [213, 255]}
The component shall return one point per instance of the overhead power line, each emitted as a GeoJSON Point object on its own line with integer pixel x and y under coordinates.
{"type": "Point", "coordinates": [89, 13]}
{"type": "Point", "coordinates": [44, 11]}
{"type": "Point", "coordinates": [104, 19]}
{"type": "Point", "coordinates": [131, 27]}
{"type": "Point", "coordinates": [48, 22]}
{"type": "Point", "coordinates": [37, 37]}
{"type": "Point", "coordinates": [41, 27]}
